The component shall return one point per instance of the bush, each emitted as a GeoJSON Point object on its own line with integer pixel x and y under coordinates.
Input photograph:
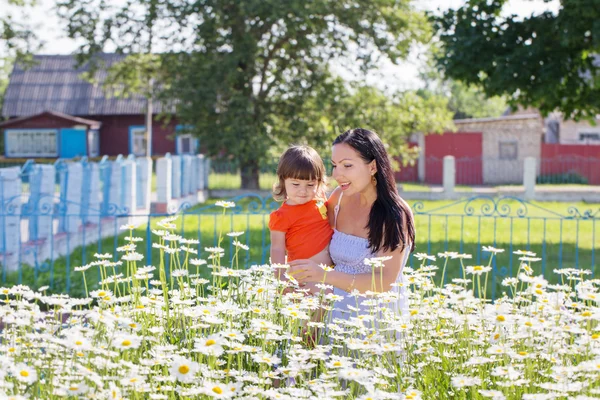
{"type": "Point", "coordinates": [567, 177]}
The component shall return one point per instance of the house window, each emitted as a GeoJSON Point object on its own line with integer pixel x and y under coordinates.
{"type": "Point", "coordinates": [185, 143]}
{"type": "Point", "coordinates": [589, 135]}
{"type": "Point", "coordinates": [93, 143]}
{"type": "Point", "coordinates": [137, 140]}
{"type": "Point", "coordinates": [508, 150]}
{"type": "Point", "coordinates": [31, 142]}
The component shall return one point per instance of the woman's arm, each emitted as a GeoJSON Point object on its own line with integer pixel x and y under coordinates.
{"type": "Point", "coordinates": [379, 281]}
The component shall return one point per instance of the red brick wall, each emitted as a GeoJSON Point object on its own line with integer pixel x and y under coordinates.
{"type": "Point", "coordinates": [114, 134]}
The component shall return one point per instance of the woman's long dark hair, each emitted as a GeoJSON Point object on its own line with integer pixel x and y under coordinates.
{"type": "Point", "coordinates": [389, 214]}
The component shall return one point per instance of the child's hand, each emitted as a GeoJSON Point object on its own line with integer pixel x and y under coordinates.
{"type": "Point", "coordinates": [306, 271]}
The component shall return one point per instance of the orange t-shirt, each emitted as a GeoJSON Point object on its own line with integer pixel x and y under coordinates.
{"type": "Point", "coordinates": [306, 228]}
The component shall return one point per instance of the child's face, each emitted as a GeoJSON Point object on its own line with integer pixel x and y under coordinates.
{"type": "Point", "coordinates": [300, 191]}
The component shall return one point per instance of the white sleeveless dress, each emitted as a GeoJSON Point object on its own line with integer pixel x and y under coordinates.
{"type": "Point", "coordinates": [348, 253]}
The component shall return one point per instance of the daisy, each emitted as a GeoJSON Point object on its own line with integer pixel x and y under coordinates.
{"type": "Point", "coordinates": [25, 373]}
{"type": "Point", "coordinates": [126, 342]}
{"type": "Point", "coordinates": [183, 370]}
{"type": "Point", "coordinates": [211, 346]}
{"type": "Point", "coordinates": [225, 204]}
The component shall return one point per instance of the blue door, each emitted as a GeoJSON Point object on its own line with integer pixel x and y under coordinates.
{"type": "Point", "coordinates": [72, 143]}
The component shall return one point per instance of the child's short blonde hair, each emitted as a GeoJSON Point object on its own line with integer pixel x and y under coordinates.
{"type": "Point", "coordinates": [298, 162]}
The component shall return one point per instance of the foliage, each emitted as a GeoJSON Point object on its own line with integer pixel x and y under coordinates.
{"type": "Point", "coordinates": [548, 61]}
{"type": "Point", "coordinates": [240, 334]}
{"type": "Point", "coordinates": [17, 40]}
{"type": "Point", "coordinates": [393, 116]}
{"type": "Point", "coordinates": [464, 100]}
{"type": "Point", "coordinates": [567, 177]}
{"type": "Point", "coordinates": [239, 67]}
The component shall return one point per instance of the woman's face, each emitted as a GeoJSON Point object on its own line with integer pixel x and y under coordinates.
{"type": "Point", "coordinates": [350, 170]}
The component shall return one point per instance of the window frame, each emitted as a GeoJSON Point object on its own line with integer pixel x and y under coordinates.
{"type": "Point", "coordinates": [17, 131]}
{"type": "Point", "coordinates": [133, 130]}
{"type": "Point", "coordinates": [501, 154]}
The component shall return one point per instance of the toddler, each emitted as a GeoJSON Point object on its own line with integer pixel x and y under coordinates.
{"type": "Point", "coordinates": [300, 228]}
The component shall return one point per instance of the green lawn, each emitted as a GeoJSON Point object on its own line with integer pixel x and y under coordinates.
{"type": "Point", "coordinates": [440, 225]}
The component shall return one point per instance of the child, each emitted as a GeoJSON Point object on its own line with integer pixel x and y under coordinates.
{"type": "Point", "coordinates": [300, 228]}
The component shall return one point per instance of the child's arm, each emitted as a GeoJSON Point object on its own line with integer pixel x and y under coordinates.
{"type": "Point", "coordinates": [278, 249]}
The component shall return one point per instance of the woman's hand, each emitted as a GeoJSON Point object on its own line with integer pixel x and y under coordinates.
{"type": "Point", "coordinates": [306, 271]}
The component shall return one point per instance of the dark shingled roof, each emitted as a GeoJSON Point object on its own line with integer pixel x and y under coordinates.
{"type": "Point", "coordinates": [53, 83]}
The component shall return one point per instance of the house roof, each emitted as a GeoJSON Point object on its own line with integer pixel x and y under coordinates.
{"type": "Point", "coordinates": [76, 120]}
{"type": "Point", "coordinates": [54, 83]}
{"type": "Point", "coordinates": [496, 119]}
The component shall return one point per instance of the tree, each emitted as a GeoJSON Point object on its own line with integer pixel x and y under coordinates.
{"type": "Point", "coordinates": [17, 42]}
{"type": "Point", "coordinates": [548, 61]}
{"type": "Point", "coordinates": [464, 100]}
{"type": "Point", "coordinates": [232, 63]}
{"type": "Point", "coordinates": [337, 107]}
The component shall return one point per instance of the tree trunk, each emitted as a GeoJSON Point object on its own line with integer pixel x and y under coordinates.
{"type": "Point", "coordinates": [249, 171]}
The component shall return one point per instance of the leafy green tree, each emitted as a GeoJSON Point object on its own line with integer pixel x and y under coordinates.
{"type": "Point", "coordinates": [338, 107]}
{"type": "Point", "coordinates": [548, 61]}
{"type": "Point", "coordinates": [238, 67]}
{"type": "Point", "coordinates": [17, 41]}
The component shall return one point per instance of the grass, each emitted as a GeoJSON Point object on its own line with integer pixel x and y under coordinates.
{"type": "Point", "coordinates": [444, 227]}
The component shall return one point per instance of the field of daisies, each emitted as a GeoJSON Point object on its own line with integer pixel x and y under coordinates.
{"type": "Point", "coordinates": [164, 332]}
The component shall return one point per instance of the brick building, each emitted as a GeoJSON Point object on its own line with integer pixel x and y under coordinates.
{"type": "Point", "coordinates": [53, 112]}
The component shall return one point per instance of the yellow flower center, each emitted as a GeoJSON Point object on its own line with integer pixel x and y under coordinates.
{"type": "Point", "coordinates": [24, 373]}
{"type": "Point", "coordinates": [414, 312]}
{"type": "Point", "coordinates": [184, 369]}
{"type": "Point", "coordinates": [11, 350]}
{"type": "Point", "coordinates": [595, 336]}
{"type": "Point", "coordinates": [101, 294]}
{"type": "Point", "coordinates": [217, 390]}
{"type": "Point", "coordinates": [528, 324]}
{"type": "Point", "coordinates": [522, 353]}
{"type": "Point", "coordinates": [73, 388]}
{"type": "Point", "coordinates": [78, 342]}
{"type": "Point", "coordinates": [80, 354]}
{"type": "Point", "coordinates": [586, 314]}
{"type": "Point", "coordinates": [477, 268]}
{"type": "Point", "coordinates": [500, 318]}
{"type": "Point", "coordinates": [126, 342]}
{"type": "Point", "coordinates": [210, 342]}
{"type": "Point", "coordinates": [337, 364]}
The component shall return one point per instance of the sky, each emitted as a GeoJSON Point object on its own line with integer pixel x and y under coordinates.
{"type": "Point", "coordinates": [395, 77]}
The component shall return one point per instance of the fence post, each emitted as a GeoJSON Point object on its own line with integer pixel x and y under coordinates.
{"type": "Point", "coordinates": [449, 174]}
{"type": "Point", "coordinates": [194, 176]}
{"type": "Point", "coordinates": [529, 175]}
{"type": "Point", "coordinates": [187, 175]}
{"type": "Point", "coordinates": [10, 217]}
{"type": "Point", "coordinates": [71, 187]}
{"type": "Point", "coordinates": [105, 168]}
{"type": "Point", "coordinates": [130, 184]}
{"type": "Point", "coordinates": [94, 199]}
{"type": "Point", "coordinates": [42, 179]}
{"type": "Point", "coordinates": [176, 176]}
{"type": "Point", "coordinates": [200, 165]}
{"type": "Point", "coordinates": [164, 176]}
{"type": "Point", "coordinates": [116, 184]}
{"type": "Point", "coordinates": [421, 160]}
{"type": "Point", "coordinates": [206, 173]}
{"type": "Point", "coordinates": [145, 178]}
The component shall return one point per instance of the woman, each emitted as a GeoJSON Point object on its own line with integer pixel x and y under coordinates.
{"type": "Point", "coordinates": [369, 219]}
